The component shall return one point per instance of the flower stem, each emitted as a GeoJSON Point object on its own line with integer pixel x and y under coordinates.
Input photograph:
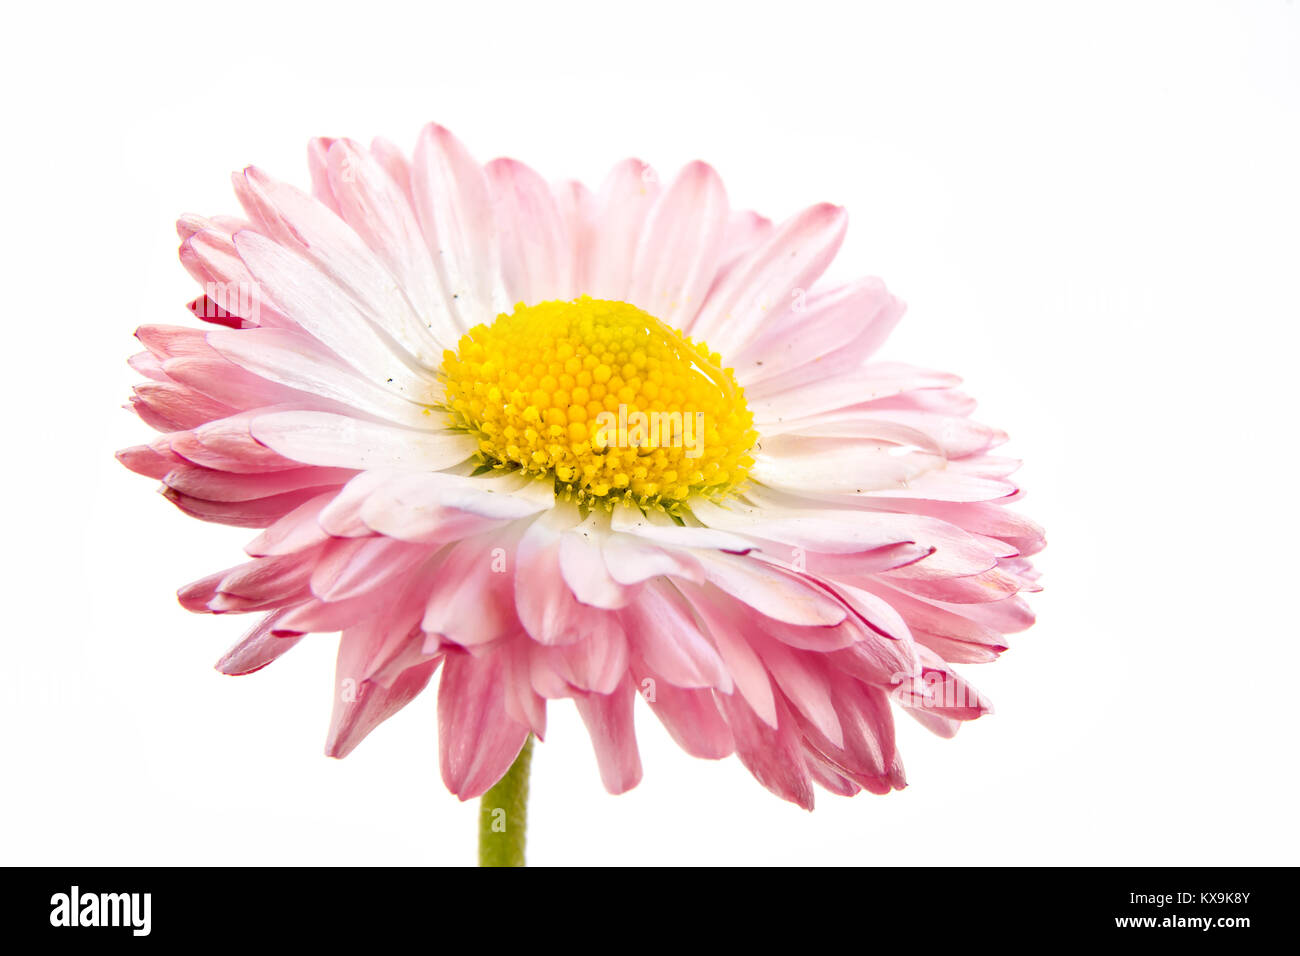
{"type": "Point", "coordinates": [503, 814]}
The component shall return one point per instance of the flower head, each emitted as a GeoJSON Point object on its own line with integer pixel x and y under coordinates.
{"type": "Point", "coordinates": [563, 444]}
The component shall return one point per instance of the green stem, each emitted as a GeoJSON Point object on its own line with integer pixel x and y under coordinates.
{"type": "Point", "coordinates": [503, 815]}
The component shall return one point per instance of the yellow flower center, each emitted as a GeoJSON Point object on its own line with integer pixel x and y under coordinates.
{"type": "Point", "coordinates": [606, 398]}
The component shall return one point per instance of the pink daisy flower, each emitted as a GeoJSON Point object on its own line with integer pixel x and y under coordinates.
{"type": "Point", "coordinates": [547, 443]}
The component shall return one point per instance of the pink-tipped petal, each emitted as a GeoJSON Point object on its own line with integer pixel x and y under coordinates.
{"type": "Point", "coordinates": [477, 738]}
{"type": "Point", "coordinates": [609, 722]}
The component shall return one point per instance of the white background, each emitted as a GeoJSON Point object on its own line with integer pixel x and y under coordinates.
{"type": "Point", "coordinates": [1092, 210]}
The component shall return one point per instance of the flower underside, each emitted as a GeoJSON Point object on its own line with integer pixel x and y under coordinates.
{"type": "Point", "coordinates": [604, 397]}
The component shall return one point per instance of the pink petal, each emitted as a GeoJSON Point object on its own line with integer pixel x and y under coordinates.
{"type": "Point", "coordinates": [536, 250]}
{"type": "Point", "coordinates": [724, 622]}
{"type": "Point", "coordinates": [477, 738]}
{"type": "Point", "coordinates": [678, 253]}
{"type": "Point", "coordinates": [321, 306]}
{"type": "Point", "coordinates": [770, 279]}
{"type": "Point", "coordinates": [664, 629]}
{"type": "Point", "coordinates": [260, 513]}
{"type": "Point", "coordinates": [227, 486]}
{"type": "Point", "coordinates": [773, 754]}
{"type": "Point", "coordinates": [691, 716]}
{"type": "Point", "coordinates": [340, 441]}
{"type": "Point", "coordinates": [609, 722]}
{"type": "Point", "coordinates": [454, 206]}
{"type": "Point", "coordinates": [257, 648]}
{"type": "Point", "coordinates": [359, 710]}
{"type": "Point", "coordinates": [344, 277]}
{"type": "Point", "coordinates": [377, 209]}
{"type": "Point", "coordinates": [620, 210]}
{"type": "Point", "coordinates": [471, 599]}
{"type": "Point", "coordinates": [806, 684]}
{"type": "Point", "coordinates": [354, 567]}
{"type": "Point", "coordinates": [834, 331]}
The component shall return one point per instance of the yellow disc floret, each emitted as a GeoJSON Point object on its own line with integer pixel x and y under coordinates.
{"type": "Point", "coordinates": [606, 398]}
